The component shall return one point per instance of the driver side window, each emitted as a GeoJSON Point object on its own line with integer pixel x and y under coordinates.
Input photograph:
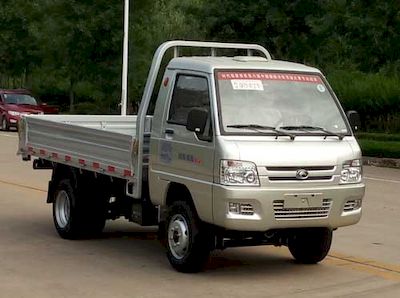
{"type": "Point", "coordinates": [189, 92]}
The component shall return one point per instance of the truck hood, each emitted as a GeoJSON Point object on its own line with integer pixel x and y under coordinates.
{"type": "Point", "coordinates": [308, 152]}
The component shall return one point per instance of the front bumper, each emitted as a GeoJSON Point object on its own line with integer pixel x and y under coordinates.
{"type": "Point", "coordinates": [13, 120]}
{"type": "Point", "coordinates": [263, 201]}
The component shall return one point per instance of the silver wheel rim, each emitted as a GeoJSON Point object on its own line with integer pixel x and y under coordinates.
{"type": "Point", "coordinates": [3, 124]}
{"type": "Point", "coordinates": [178, 236]}
{"type": "Point", "coordinates": [62, 209]}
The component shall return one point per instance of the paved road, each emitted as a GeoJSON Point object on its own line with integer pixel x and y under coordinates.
{"type": "Point", "coordinates": [129, 262]}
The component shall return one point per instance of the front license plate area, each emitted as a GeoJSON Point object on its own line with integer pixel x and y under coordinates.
{"type": "Point", "coordinates": [303, 200]}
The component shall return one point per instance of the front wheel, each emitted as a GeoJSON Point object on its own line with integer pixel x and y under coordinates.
{"type": "Point", "coordinates": [310, 246]}
{"type": "Point", "coordinates": [188, 247]}
{"type": "Point", "coordinates": [4, 124]}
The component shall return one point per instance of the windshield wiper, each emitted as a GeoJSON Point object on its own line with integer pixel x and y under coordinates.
{"type": "Point", "coordinates": [315, 128]}
{"type": "Point", "coordinates": [258, 128]}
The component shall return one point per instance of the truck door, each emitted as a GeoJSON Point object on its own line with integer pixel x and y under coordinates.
{"type": "Point", "coordinates": [186, 157]}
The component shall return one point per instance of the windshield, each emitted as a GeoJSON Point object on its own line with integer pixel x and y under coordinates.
{"type": "Point", "coordinates": [285, 101]}
{"type": "Point", "coordinates": [19, 99]}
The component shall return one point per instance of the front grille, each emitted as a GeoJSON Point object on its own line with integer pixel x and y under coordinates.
{"type": "Point", "coordinates": [308, 168]}
{"type": "Point", "coordinates": [313, 178]}
{"type": "Point", "coordinates": [289, 173]}
{"type": "Point", "coordinates": [282, 213]}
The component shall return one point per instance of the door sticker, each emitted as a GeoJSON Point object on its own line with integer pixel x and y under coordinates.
{"type": "Point", "coordinates": [165, 152]}
{"type": "Point", "coordinates": [190, 158]}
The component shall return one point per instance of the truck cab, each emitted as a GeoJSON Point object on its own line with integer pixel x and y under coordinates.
{"type": "Point", "coordinates": [259, 147]}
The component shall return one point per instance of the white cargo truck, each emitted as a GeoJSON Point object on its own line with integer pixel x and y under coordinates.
{"type": "Point", "coordinates": [240, 151]}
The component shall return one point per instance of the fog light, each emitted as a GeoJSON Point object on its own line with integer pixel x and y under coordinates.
{"type": "Point", "coordinates": [234, 208]}
{"type": "Point", "coordinates": [352, 205]}
{"type": "Point", "coordinates": [357, 204]}
{"type": "Point", "coordinates": [241, 208]}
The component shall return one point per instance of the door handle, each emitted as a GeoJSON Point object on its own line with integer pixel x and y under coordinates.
{"type": "Point", "coordinates": [169, 131]}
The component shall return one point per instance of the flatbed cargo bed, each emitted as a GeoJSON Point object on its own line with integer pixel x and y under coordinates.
{"type": "Point", "coordinates": [99, 143]}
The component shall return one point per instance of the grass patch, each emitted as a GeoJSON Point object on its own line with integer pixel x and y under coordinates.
{"type": "Point", "coordinates": [377, 148]}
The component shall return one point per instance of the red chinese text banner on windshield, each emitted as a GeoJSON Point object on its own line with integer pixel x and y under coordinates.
{"type": "Point", "coordinates": [273, 76]}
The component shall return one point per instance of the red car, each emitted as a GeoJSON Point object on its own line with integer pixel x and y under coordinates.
{"type": "Point", "coordinates": [17, 102]}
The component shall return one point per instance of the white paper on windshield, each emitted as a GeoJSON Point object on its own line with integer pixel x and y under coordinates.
{"type": "Point", "coordinates": [255, 85]}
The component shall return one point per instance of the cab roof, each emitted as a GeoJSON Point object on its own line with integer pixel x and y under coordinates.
{"type": "Point", "coordinates": [209, 64]}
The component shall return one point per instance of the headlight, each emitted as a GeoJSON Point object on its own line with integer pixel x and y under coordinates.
{"type": "Point", "coordinates": [351, 172]}
{"type": "Point", "coordinates": [14, 113]}
{"type": "Point", "coordinates": [235, 172]}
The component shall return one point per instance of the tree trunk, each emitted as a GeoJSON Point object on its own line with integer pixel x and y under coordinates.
{"type": "Point", "coordinates": [27, 78]}
{"type": "Point", "coordinates": [71, 96]}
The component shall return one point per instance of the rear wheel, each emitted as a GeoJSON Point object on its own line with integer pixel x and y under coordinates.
{"type": "Point", "coordinates": [66, 213]}
{"type": "Point", "coordinates": [74, 216]}
{"type": "Point", "coordinates": [310, 246]}
{"type": "Point", "coordinates": [188, 247]}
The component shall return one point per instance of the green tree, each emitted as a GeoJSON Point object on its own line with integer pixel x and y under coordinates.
{"type": "Point", "coordinates": [18, 50]}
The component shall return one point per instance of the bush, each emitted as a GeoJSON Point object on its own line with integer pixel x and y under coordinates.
{"type": "Point", "coordinates": [374, 148]}
{"type": "Point", "coordinates": [378, 136]}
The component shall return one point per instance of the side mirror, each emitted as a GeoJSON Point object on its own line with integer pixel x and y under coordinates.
{"type": "Point", "coordinates": [354, 120]}
{"type": "Point", "coordinates": [196, 120]}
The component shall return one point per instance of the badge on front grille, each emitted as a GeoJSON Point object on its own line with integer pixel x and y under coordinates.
{"type": "Point", "coordinates": [302, 174]}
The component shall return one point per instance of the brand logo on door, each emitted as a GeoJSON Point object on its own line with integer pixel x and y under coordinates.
{"type": "Point", "coordinates": [302, 174]}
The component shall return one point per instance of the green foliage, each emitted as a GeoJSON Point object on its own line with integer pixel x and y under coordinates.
{"type": "Point", "coordinates": [355, 42]}
{"type": "Point", "coordinates": [379, 144]}
{"type": "Point", "coordinates": [355, 34]}
{"type": "Point", "coordinates": [378, 136]}
{"type": "Point", "coordinates": [69, 52]}
{"type": "Point", "coordinates": [375, 96]}
{"type": "Point", "coordinates": [18, 50]}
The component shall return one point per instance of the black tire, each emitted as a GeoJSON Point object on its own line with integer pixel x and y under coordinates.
{"type": "Point", "coordinates": [67, 215]}
{"type": "Point", "coordinates": [4, 124]}
{"type": "Point", "coordinates": [193, 256]}
{"type": "Point", "coordinates": [94, 208]}
{"type": "Point", "coordinates": [161, 234]}
{"type": "Point", "coordinates": [310, 246]}
{"type": "Point", "coordinates": [72, 215]}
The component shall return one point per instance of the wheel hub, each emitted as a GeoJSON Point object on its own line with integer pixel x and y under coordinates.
{"type": "Point", "coordinates": [62, 209]}
{"type": "Point", "coordinates": [178, 236]}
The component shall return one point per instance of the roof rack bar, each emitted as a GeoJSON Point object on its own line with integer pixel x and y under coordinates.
{"type": "Point", "coordinates": [176, 52]}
